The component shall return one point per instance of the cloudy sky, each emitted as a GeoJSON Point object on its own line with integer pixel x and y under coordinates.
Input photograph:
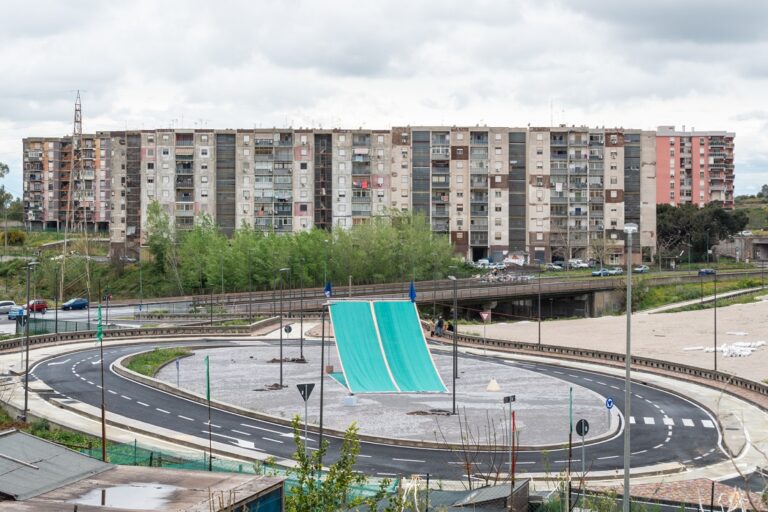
{"type": "Point", "coordinates": [228, 64]}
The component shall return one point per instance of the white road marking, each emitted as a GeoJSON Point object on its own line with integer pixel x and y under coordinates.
{"type": "Point", "coordinates": [658, 446]}
{"type": "Point", "coordinates": [126, 397]}
{"type": "Point", "coordinates": [142, 403]}
{"type": "Point", "coordinates": [387, 474]}
{"type": "Point", "coordinates": [687, 422]}
{"type": "Point", "coordinates": [632, 420]}
{"type": "Point", "coordinates": [557, 372]}
{"type": "Point", "coordinates": [668, 421]}
{"type": "Point", "coordinates": [240, 432]}
{"type": "Point", "coordinates": [608, 457]}
{"type": "Point", "coordinates": [99, 386]}
{"type": "Point", "coordinates": [602, 383]}
{"type": "Point", "coordinates": [185, 418]}
{"type": "Point", "coordinates": [574, 376]}
{"type": "Point", "coordinates": [162, 410]}
{"type": "Point", "coordinates": [272, 440]}
{"type": "Point", "coordinates": [519, 463]}
{"type": "Point", "coordinates": [648, 420]}
{"type": "Point", "coordinates": [89, 382]}
{"type": "Point", "coordinates": [707, 423]}
{"type": "Point", "coordinates": [361, 455]}
{"type": "Point", "coordinates": [408, 460]}
{"type": "Point", "coordinates": [587, 379]}
{"type": "Point", "coordinates": [60, 362]}
{"type": "Point", "coordinates": [667, 439]}
{"type": "Point", "coordinates": [638, 453]}
{"type": "Point", "coordinates": [246, 425]}
{"type": "Point", "coordinates": [110, 391]}
{"type": "Point", "coordinates": [572, 460]}
{"type": "Point", "coordinates": [615, 387]}
{"type": "Point", "coordinates": [639, 396]}
{"type": "Point", "coordinates": [96, 362]}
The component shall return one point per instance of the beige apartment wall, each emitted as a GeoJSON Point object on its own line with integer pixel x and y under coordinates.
{"type": "Point", "coordinates": [303, 179]}
{"type": "Point", "coordinates": [539, 198]}
{"type": "Point", "coordinates": [244, 180]}
{"type": "Point", "coordinates": [648, 190]}
{"type": "Point", "coordinates": [381, 169]}
{"type": "Point", "coordinates": [498, 183]}
{"type": "Point", "coordinates": [205, 172]}
{"type": "Point", "coordinates": [400, 170]}
{"type": "Point", "coordinates": [342, 179]}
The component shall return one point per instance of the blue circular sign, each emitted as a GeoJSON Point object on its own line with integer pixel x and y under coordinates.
{"type": "Point", "coordinates": [609, 403]}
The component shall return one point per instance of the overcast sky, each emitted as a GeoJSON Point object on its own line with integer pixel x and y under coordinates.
{"type": "Point", "coordinates": [375, 64]}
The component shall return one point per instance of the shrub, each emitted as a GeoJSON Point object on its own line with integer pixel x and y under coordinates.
{"type": "Point", "coordinates": [16, 237]}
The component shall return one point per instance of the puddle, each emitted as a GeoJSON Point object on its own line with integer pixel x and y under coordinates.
{"type": "Point", "coordinates": [136, 496]}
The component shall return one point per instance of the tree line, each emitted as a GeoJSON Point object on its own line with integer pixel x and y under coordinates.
{"type": "Point", "coordinates": [399, 247]}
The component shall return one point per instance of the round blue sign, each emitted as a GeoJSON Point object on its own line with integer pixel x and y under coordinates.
{"type": "Point", "coordinates": [609, 402]}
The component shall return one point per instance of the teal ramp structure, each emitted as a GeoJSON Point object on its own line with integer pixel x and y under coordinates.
{"type": "Point", "coordinates": [408, 356]}
{"type": "Point", "coordinates": [360, 352]}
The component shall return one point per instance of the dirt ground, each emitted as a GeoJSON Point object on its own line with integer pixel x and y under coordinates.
{"type": "Point", "coordinates": [659, 336]}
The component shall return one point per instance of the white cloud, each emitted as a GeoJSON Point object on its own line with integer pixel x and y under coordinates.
{"type": "Point", "coordinates": [377, 64]}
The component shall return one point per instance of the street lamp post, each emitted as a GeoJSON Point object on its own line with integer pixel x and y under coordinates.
{"type": "Point", "coordinates": [455, 341]}
{"type": "Point", "coordinates": [26, 350]}
{"type": "Point", "coordinates": [539, 305]}
{"type": "Point", "coordinates": [715, 326]}
{"type": "Point", "coordinates": [301, 310]}
{"type": "Point", "coordinates": [629, 229]}
{"type": "Point", "coordinates": [250, 289]}
{"type": "Point", "coordinates": [282, 281]}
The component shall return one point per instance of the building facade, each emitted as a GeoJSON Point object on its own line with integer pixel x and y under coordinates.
{"type": "Point", "coordinates": [543, 193]}
{"type": "Point", "coordinates": [694, 167]}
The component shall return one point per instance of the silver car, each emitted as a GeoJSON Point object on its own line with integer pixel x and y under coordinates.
{"type": "Point", "coordinates": [6, 306]}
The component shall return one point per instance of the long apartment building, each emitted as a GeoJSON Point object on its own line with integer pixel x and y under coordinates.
{"type": "Point", "coordinates": [544, 193]}
{"type": "Point", "coordinates": [694, 167]}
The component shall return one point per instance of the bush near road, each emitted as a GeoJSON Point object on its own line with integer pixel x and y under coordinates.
{"type": "Point", "coordinates": [149, 363]}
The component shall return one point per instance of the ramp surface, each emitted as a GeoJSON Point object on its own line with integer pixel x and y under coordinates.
{"type": "Point", "coordinates": [360, 352]}
{"type": "Point", "coordinates": [406, 348]}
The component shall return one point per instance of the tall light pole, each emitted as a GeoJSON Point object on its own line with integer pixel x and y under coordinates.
{"type": "Point", "coordinates": [26, 336]}
{"type": "Point", "coordinates": [715, 326]}
{"type": "Point", "coordinates": [455, 341]}
{"type": "Point", "coordinates": [301, 310]}
{"type": "Point", "coordinates": [629, 229]}
{"type": "Point", "coordinates": [282, 281]}
{"type": "Point", "coordinates": [539, 314]}
{"type": "Point", "coordinates": [250, 289]}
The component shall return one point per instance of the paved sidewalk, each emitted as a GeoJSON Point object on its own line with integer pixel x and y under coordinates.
{"type": "Point", "coordinates": [706, 299]}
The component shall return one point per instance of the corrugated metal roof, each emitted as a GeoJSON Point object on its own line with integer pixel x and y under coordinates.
{"type": "Point", "coordinates": [30, 466]}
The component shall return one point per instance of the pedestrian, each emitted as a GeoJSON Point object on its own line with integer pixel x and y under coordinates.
{"type": "Point", "coordinates": [439, 327]}
{"type": "Point", "coordinates": [450, 327]}
{"type": "Point", "coordinates": [431, 327]}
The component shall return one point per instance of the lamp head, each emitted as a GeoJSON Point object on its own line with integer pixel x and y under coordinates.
{"type": "Point", "coordinates": [630, 228]}
{"type": "Point", "coordinates": [452, 278]}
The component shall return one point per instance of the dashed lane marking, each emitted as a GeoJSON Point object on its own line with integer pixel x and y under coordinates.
{"type": "Point", "coordinates": [667, 439]}
{"type": "Point", "coordinates": [408, 460]}
{"type": "Point", "coordinates": [602, 383]}
{"type": "Point", "coordinates": [272, 440]}
{"type": "Point", "coordinates": [387, 474]}
{"type": "Point", "coordinates": [162, 410]}
{"type": "Point", "coordinates": [240, 432]}
{"type": "Point", "coordinates": [89, 382]}
{"type": "Point", "coordinates": [668, 421]}
{"type": "Point", "coordinates": [707, 423]}
{"type": "Point", "coordinates": [361, 455]}
{"type": "Point", "coordinates": [59, 362]}
{"type": "Point", "coordinates": [126, 397]}
{"type": "Point", "coordinates": [631, 420]}
{"type": "Point", "coordinates": [648, 420]}
{"type": "Point", "coordinates": [587, 379]}
{"type": "Point", "coordinates": [608, 457]}
{"type": "Point", "coordinates": [687, 422]}
{"type": "Point", "coordinates": [615, 387]}
{"type": "Point", "coordinates": [185, 418]}
{"type": "Point", "coordinates": [111, 392]}
{"type": "Point", "coordinates": [658, 446]}
{"type": "Point", "coordinates": [142, 403]}
{"type": "Point", "coordinates": [640, 452]}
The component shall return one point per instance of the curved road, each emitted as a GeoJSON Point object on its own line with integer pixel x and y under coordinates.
{"type": "Point", "coordinates": [666, 427]}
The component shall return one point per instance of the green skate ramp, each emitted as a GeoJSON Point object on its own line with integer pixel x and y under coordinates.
{"type": "Point", "coordinates": [360, 352]}
{"type": "Point", "coordinates": [406, 349]}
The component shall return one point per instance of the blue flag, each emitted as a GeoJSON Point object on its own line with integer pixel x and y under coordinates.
{"type": "Point", "coordinates": [412, 292]}
{"type": "Point", "coordinates": [328, 290]}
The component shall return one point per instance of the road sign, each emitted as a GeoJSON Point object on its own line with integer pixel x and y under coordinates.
{"type": "Point", "coordinates": [509, 399]}
{"type": "Point", "coordinates": [485, 315]}
{"type": "Point", "coordinates": [582, 427]}
{"type": "Point", "coordinates": [305, 390]}
{"type": "Point", "coordinates": [287, 329]}
{"type": "Point", "coordinates": [609, 403]}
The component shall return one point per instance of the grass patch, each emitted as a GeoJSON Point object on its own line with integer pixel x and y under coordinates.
{"type": "Point", "coordinates": [44, 430]}
{"type": "Point", "coordinates": [747, 298]}
{"type": "Point", "coordinates": [149, 363]}
{"type": "Point", "coordinates": [239, 321]}
{"type": "Point", "coordinates": [647, 297]}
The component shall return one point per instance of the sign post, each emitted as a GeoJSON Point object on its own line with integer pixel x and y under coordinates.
{"type": "Point", "coordinates": [609, 406]}
{"type": "Point", "coordinates": [582, 427]}
{"type": "Point", "coordinates": [508, 400]}
{"type": "Point", "coordinates": [305, 390]}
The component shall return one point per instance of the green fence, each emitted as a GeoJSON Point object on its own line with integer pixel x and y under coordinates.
{"type": "Point", "coordinates": [52, 325]}
{"type": "Point", "coordinates": [135, 455]}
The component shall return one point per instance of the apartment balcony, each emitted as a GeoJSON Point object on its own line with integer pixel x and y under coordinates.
{"type": "Point", "coordinates": [716, 143]}
{"type": "Point", "coordinates": [34, 155]}
{"type": "Point", "coordinates": [441, 185]}
{"type": "Point", "coordinates": [596, 199]}
{"type": "Point", "coordinates": [283, 209]}
{"type": "Point", "coordinates": [596, 140]}
{"type": "Point", "coordinates": [578, 142]}
{"type": "Point", "coordinates": [582, 229]}
{"type": "Point", "coordinates": [361, 159]}
{"type": "Point", "coordinates": [478, 212]}
{"type": "Point", "coordinates": [361, 140]}
{"type": "Point", "coordinates": [440, 227]}
{"type": "Point", "coordinates": [185, 198]}
{"type": "Point", "coordinates": [558, 170]}
{"type": "Point", "coordinates": [181, 211]}
{"type": "Point", "coordinates": [441, 152]}
{"type": "Point", "coordinates": [478, 239]}
{"type": "Point", "coordinates": [264, 143]}
{"type": "Point", "coordinates": [478, 153]}
{"type": "Point", "coordinates": [478, 183]}
{"type": "Point", "coordinates": [574, 213]}
{"type": "Point", "coordinates": [479, 199]}
{"type": "Point", "coordinates": [558, 140]}
{"type": "Point", "coordinates": [717, 187]}
{"type": "Point", "coordinates": [437, 211]}
{"type": "Point", "coordinates": [554, 199]}
{"type": "Point", "coordinates": [185, 182]}
{"type": "Point", "coordinates": [558, 155]}
{"type": "Point", "coordinates": [478, 138]}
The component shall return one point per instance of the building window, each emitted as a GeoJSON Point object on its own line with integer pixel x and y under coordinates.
{"type": "Point", "coordinates": [303, 139]}
{"type": "Point", "coordinates": [460, 208]}
{"type": "Point", "coordinates": [459, 136]}
{"type": "Point", "coordinates": [539, 151]}
{"type": "Point", "coordinates": [497, 222]}
{"type": "Point", "coordinates": [342, 138]}
{"type": "Point", "coordinates": [497, 194]}
{"type": "Point", "coordinates": [342, 152]}
{"type": "Point", "coordinates": [497, 208]}
{"type": "Point", "coordinates": [539, 236]}
{"type": "Point", "coordinates": [459, 151]}
{"type": "Point", "coordinates": [203, 179]}
{"type": "Point", "coordinates": [614, 180]}
{"type": "Point", "coordinates": [380, 138]}
{"type": "Point", "coordinates": [150, 166]}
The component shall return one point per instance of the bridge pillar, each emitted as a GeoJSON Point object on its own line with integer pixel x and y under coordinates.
{"type": "Point", "coordinates": [606, 302]}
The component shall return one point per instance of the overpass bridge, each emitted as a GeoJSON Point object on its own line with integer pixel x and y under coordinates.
{"type": "Point", "coordinates": [560, 296]}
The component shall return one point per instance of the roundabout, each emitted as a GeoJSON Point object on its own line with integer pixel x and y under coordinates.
{"type": "Point", "coordinates": [670, 433]}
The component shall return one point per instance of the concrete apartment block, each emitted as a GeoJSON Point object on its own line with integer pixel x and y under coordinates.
{"type": "Point", "coordinates": [694, 167]}
{"type": "Point", "coordinates": [527, 193]}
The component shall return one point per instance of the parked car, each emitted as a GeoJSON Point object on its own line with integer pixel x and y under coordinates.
{"type": "Point", "coordinates": [601, 272]}
{"type": "Point", "coordinates": [483, 263]}
{"type": "Point", "coordinates": [78, 303]}
{"type": "Point", "coordinates": [642, 269]}
{"type": "Point", "coordinates": [615, 271]}
{"type": "Point", "coordinates": [16, 313]}
{"type": "Point", "coordinates": [552, 267]}
{"type": "Point", "coordinates": [707, 272]}
{"type": "Point", "coordinates": [38, 306]}
{"type": "Point", "coordinates": [6, 306]}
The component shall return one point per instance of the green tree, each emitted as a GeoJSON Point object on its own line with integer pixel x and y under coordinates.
{"type": "Point", "coordinates": [3, 169]}
{"type": "Point", "coordinates": [700, 228]}
{"type": "Point", "coordinates": [329, 492]}
{"type": "Point", "coordinates": [160, 235]}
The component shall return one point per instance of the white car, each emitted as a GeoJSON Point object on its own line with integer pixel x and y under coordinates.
{"type": "Point", "coordinates": [6, 306]}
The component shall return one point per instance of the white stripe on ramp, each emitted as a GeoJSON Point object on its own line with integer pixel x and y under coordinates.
{"type": "Point", "coordinates": [687, 422]}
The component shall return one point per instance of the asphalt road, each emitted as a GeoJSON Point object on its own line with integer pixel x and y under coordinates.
{"type": "Point", "coordinates": [666, 427]}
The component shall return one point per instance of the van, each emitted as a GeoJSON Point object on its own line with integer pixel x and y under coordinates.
{"type": "Point", "coordinates": [6, 306]}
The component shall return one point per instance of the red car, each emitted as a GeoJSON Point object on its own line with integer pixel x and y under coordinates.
{"type": "Point", "coordinates": [38, 306]}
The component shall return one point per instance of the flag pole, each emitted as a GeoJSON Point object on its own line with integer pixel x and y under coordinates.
{"type": "Point", "coordinates": [208, 399]}
{"type": "Point", "coordinates": [570, 450]}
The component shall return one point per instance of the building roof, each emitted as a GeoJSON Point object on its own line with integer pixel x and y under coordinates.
{"type": "Point", "coordinates": [30, 466]}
